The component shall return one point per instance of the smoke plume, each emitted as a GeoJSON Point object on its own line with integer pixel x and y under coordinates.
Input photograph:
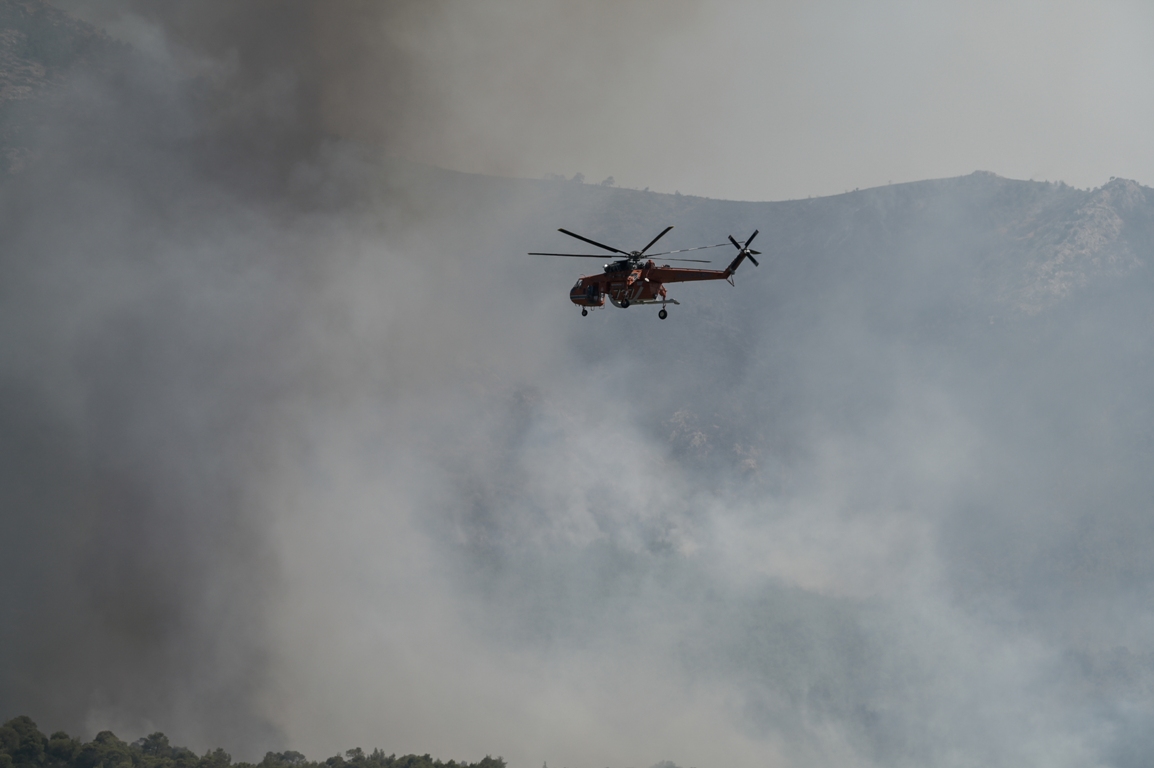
{"type": "Point", "coordinates": [300, 451]}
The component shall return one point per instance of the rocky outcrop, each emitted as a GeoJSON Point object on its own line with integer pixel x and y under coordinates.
{"type": "Point", "coordinates": [39, 47]}
{"type": "Point", "coordinates": [1064, 253]}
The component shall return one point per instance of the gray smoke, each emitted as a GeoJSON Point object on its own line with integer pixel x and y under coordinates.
{"type": "Point", "coordinates": [300, 451]}
{"type": "Point", "coordinates": [197, 268]}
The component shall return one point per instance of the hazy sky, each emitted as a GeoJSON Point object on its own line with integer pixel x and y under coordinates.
{"type": "Point", "coordinates": [772, 100]}
{"type": "Point", "coordinates": [747, 100]}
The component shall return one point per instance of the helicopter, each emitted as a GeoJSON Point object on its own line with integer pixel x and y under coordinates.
{"type": "Point", "coordinates": [632, 280]}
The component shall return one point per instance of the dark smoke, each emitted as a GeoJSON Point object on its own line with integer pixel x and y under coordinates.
{"type": "Point", "coordinates": [180, 262]}
{"type": "Point", "coordinates": [151, 283]}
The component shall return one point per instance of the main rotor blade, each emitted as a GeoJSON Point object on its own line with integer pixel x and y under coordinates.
{"type": "Point", "coordinates": [750, 240]}
{"type": "Point", "coordinates": [603, 256]}
{"type": "Point", "coordinates": [575, 255]}
{"type": "Point", "coordinates": [593, 242]}
{"type": "Point", "coordinates": [683, 250]}
{"type": "Point", "coordinates": [654, 240]}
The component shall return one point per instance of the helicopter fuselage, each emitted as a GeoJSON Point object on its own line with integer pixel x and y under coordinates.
{"type": "Point", "coordinates": [625, 283]}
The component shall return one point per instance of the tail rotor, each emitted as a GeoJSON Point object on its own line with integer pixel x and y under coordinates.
{"type": "Point", "coordinates": [744, 249]}
{"type": "Point", "coordinates": [743, 252]}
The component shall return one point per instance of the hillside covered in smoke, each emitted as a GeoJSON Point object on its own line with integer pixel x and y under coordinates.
{"type": "Point", "coordinates": [299, 448]}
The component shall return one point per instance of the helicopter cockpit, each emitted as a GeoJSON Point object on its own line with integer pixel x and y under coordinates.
{"type": "Point", "coordinates": [625, 265]}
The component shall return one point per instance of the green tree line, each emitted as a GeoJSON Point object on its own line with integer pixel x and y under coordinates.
{"type": "Point", "coordinates": [22, 745]}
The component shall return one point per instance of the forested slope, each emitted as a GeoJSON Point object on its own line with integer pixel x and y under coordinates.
{"type": "Point", "coordinates": [22, 745]}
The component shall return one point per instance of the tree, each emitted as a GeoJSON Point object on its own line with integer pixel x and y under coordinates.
{"type": "Point", "coordinates": [24, 742]}
{"type": "Point", "coordinates": [490, 762]}
{"type": "Point", "coordinates": [62, 749]}
{"type": "Point", "coordinates": [217, 758]}
{"type": "Point", "coordinates": [154, 744]}
{"type": "Point", "coordinates": [104, 751]}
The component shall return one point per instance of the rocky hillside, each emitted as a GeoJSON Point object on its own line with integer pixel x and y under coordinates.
{"type": "Point", "coordinates": [1009, 247]}
{"type": "Point", "coordinates": [40, 46]}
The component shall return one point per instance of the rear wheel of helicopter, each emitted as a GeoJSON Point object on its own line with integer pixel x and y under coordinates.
{"type": "Point", "coordinates": [584, 312]}
{"type": "Point", "coordinates": [625, 303]}
{"type": "Point", "coordinates": [663, 314]}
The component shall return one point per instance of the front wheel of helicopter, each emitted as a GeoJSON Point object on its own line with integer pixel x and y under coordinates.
{"type": "Point", "coordinates": [663, 314]}
{"type": "Point", "coordinates": [584, 312]}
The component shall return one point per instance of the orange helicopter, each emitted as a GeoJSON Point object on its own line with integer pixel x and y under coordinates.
{"type": "Point", "coordinates": [631, 280]}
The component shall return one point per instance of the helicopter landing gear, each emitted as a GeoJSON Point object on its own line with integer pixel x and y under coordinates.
{"type": "Point", "coordinates": [625, 303]}
{"type": "Point", "coordinates": [663, 314]}
{"type": "Point", "coordinates": [584, 312]}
